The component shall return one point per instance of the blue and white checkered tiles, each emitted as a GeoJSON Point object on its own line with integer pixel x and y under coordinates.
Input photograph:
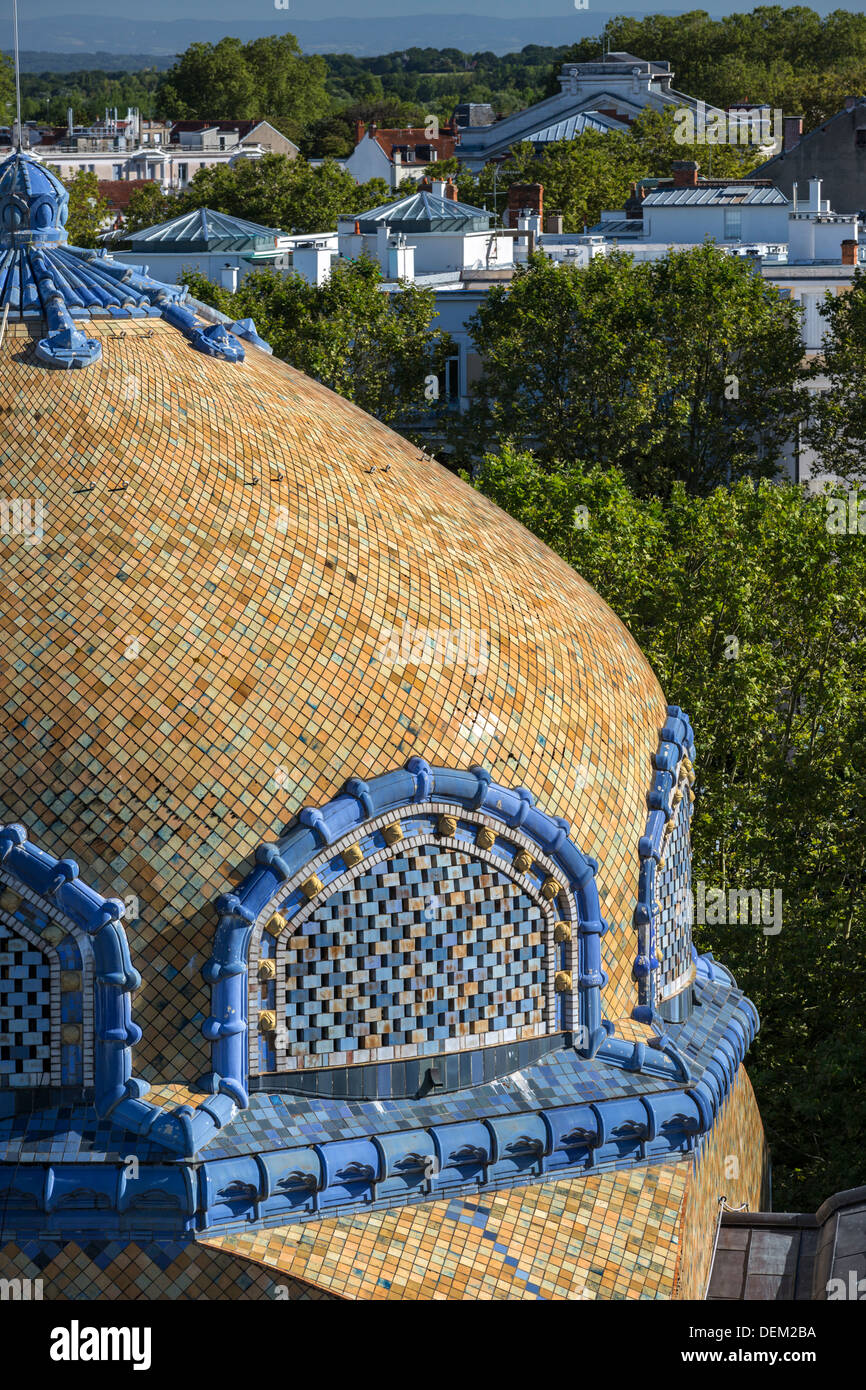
{"type": "Point", "coordinates": [425, 947]}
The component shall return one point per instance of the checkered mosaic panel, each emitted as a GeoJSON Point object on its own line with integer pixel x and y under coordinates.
{"type": "Point", "coordinates": [25, 1012]}
{"type": "Point", "coordinates": [428, 945]}
{"type": "Point", "coordinates": [674, 897]}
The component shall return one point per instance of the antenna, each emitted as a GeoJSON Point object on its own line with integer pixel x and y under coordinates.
{"type": "Point", "coordinates": [17, 70]}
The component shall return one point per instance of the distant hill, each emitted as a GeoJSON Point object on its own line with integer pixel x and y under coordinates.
{"type": "Point", "coordinates": [90, 41]}
{"type": "Point", "coordinates": [33, 60]}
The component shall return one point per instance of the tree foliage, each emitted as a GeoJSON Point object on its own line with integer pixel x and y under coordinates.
{"type": "Point", "coordinates": [87, 209]}
{"type": "Point", "coordinates": [679, 369]}
{"type": "Point", "coordinates": [837, 424]}
{"type": "Point", "coordinates": [266, 78]}
{"type": "Point", "coordinates": [753, 615]}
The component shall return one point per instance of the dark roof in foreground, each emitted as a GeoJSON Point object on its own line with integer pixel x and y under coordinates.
{"type": "Point", "coordinates": [782, 1257]}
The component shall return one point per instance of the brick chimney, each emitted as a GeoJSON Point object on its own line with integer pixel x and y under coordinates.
{"type": "Point", "coordinates": [360, 131]}
{"type": "Point", "coordinates": [792, 131]}
{"type": "Point", "coordinates": [451, 191]}
{"type": "Point", "coordinates": [849, 252]}
{"type": "Point", "coordinates": [524, 195]}
{"type": "Point", "coordinates": [685, 172]}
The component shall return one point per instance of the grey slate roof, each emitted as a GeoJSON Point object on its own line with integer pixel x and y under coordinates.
{"type": "Point", "coordinates": [424, 212]}
{"type": "Point", "coordinates": [733, 195]}
{"type": "Point", "coordinates": [204, 229]}
{"type": "Point", "coordinates": [571, 126]}
{"type": "Point", "coordinates": [783, 1256]}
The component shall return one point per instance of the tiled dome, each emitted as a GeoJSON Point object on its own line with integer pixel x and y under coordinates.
{"type": "Point", "coordinates": [196, 622]}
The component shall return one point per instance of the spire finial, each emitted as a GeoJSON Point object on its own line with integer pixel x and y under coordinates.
{"type": "Point", "coordinates": [17, 72]}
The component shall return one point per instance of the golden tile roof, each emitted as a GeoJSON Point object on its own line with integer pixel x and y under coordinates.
{"type": "Point", "coordinates": [189, 649]}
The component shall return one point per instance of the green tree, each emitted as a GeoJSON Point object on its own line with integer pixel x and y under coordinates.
{"type": "Point", "coordinates": [373, 348]}
{"type": "Point", "coordinates": [280, 192]}
{"type": "Point", "coordinates": [754, 618]}
{"type": "Point", "coordinates": [683, 368]}
{"type": "Point", "coordinates": [837, 423]}
{"type": "Point", "coordinates": [148, 206]}
{"type": "Point", "coordinates": [7, 89]}
{"type": "Point", "coordinates": [88, 211]}
{"type": "Point", "coordinates": [266, 78]}
{"type": "Point", "coordinates": [209, 80]}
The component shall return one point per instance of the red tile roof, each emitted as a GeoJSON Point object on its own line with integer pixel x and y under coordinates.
{"type": "Point", "coordinates": [414, 136]}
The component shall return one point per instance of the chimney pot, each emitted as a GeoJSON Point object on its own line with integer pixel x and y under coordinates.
{"type": "Point", "coordinates": [522, 196]}
{"type": "Point", "coordinates": [849, 252]}
{"type": "Point", "coordinates": [792, 131]}
{"type": "Point", "coordinates": [685, 172]}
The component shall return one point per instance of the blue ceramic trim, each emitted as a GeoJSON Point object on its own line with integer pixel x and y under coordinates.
{"type": "Point", "coordinates": [117, 1093]}
{"type": "Point", "coordinates": [42, 277]}
{"type": "Point", "coordinates": [676, 741]}
{"type": "Point", "coordinates": [373, 1171]}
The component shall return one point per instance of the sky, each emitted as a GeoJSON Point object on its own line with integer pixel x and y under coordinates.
{"type": "Point", "coordinates": [232, 10]}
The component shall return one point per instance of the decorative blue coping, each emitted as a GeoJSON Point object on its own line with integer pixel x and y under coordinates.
{"type": "Point", "coordinates": [117, 1093]}
{"type": "Point", "coordinates": [358, 803]}
{"type": "Point", "coordinates": [676, 742]}
{"type": "Point", "coordinates": [302, 1181]}
{"type": "Point", "coordinates": [41, 276]}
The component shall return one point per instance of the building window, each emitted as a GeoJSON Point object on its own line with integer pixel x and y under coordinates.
{"type": "Point", "coordinates": [183, 172]}
{"type": "Point", "coordinates": [664, 968]}
{"type": "Point", "coordinates": [448, 916]}
{"type": "Point", "coordinates": [424, 948]}
{"type": "Point", "coordinates": [733, 224]}
{"type": "Point", "coordinates": [44, 1036]}
{"type": "Point", "coordinates": [449, 379]}
{"type": "Point", "coordinates": [117, 172]}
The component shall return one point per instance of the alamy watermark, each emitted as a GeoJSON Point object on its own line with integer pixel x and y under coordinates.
{"type": "Point", "coordinates": [846, 516]}
{"type": "Point", "coordinates": [426, 646]}
{"type": "Point", "coordinates": [738, 907]}
{"type": "Point", "coordinates": [23, 516]}
{"type": "Point", "coordinates": [746, 125]}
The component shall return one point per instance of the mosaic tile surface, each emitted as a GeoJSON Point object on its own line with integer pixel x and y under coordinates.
{"type": "Point", "coordinates": [426, 947]}
{"type": "Point", "coordinates": [196, 643]}
{"type": "Point", "coordinates": [731, 1162]}
{"type": "Point", "coordinates": [116, 1269]}
{"type": "Point", "coordinates": [602, 1237]}
{"type": "Point", "coordinates": [45, 1001]}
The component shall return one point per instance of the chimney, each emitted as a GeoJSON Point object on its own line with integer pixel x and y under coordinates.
{"type": "Point", "coordinates": [553, 223]}
{"type": "Point", "coordinates": [685, 172]}
{"type": "Point", "coordinates": [438, 189]}
{"type": "Point", "coordinates": [524, 196]}
{"type": "Point", "coordinates": [451, 191]}
{"type": "Point", "coordinates": [360, 131]}
{"type": "Point", "coordinates": [792, 130]}
{"type": "Point", "coordinates": [849, 252]}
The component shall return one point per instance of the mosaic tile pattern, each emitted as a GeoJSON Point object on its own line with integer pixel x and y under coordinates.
{"type": "Point", "coordinates": [731, 1162]}
{"type": "Point", "coordinates": [191, 652]}
{"type": "Point", "coordinates": [611, 1236]}
{"type": "Point", "coordinates": [25, 1011]}
{"type": "Point", "coordinates": [674, 897]}
{"type": "Point", "coordinates": [117, 1270]}
{"type": "Point", "coordinates": [426, 947]}
{"type": "Point", "coordinates": [46, 1023]}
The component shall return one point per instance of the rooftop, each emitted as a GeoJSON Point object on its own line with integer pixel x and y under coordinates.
{"type": "Point", "coordinates": [425, 212]}
{"type": "Point", "coordinates": [204, 229]}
